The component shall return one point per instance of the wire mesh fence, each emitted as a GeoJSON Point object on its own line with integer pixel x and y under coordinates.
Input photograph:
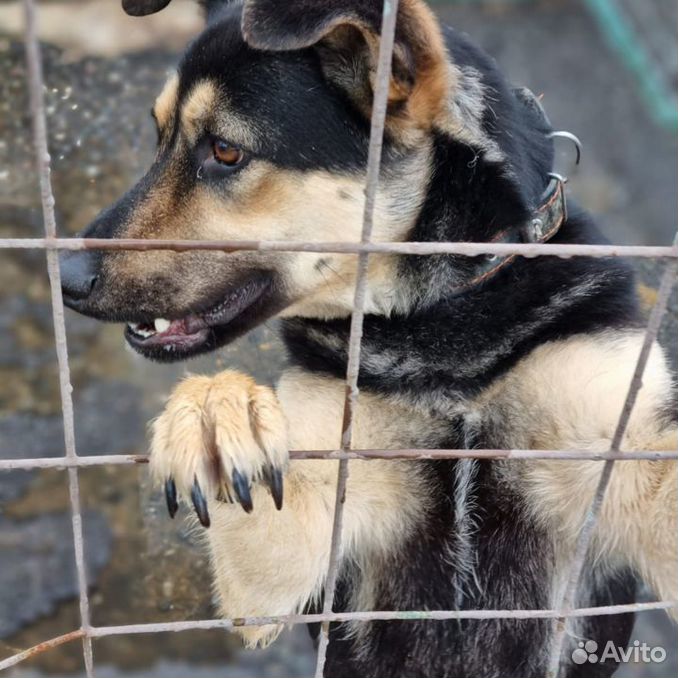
{"type": "Point", "coordinates": [72, 462]}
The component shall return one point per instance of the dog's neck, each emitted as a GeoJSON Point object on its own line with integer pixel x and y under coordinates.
{"type": "Point", "coordinates": [432, 338]}
{"type": "Point", "coordinates": [460, 343]}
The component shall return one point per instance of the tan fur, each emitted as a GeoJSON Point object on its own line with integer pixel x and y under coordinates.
{"type": "Point", "coordinates": [565, 394]}
{"type": "Point", "coordinates": [574, 391]}
{"type": "Point", "coordinates": [267, 203]}
{"type": "Point", "coordinates": [421, 80]}
{"type": "Point", "coordinates": [569, 395]}
{"type": "Point", "coordinates": [435, 79]}
{"type": "Point", "coordinates": [288, 550]}
{"type": "Point", "coordinates": [198, 108]}
{"type": "Point", "coordinates": [163, 109]}
{"type": "Point", "coordinates": [264, 202]}
{"type": "Point", "coordinates": [212, 426]}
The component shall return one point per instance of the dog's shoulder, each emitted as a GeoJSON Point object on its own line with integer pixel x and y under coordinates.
{"type": "Point", "coordinates": [569, 394]}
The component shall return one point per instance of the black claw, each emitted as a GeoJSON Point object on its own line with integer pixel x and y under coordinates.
{"type": "Point", "coordinates": [143, 7]}
{"type": "Point", "coordinates": [171, 497]}
{"type": "Point", "coordinates": [274, 478]}
{"type": "Point", "coordinates": [242, 491]}
{"type": "Point", "coordinates": [200, 504]}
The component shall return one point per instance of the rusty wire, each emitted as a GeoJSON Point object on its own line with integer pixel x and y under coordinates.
{"type": "Point", "coordinates": [41, 647]}
{"type": "Point", "coordinates": [466, 249]}
{"type": "Point", "coordinates": [365, 455]}
{"type": "Point", "coordinates": [411, 615]}
{"type": "Point", "coordinates": [377, 125]}
{"type": "Point", "coordinates": [72, 461]}
{"type": "Point", "coordinates": [39, 120]}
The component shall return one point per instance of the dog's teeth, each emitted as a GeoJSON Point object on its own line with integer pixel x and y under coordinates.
{"type": "Point", "coordinates": [139, 330]}
{"type": "Point", "coordinates": [161, 325]}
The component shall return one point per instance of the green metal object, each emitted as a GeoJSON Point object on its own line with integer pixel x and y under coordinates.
{"type": "Point", "coordinates": [621, 36]}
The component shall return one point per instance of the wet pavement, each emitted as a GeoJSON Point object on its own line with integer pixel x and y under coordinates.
{"type": "Point", "coordinates": [142, 566]}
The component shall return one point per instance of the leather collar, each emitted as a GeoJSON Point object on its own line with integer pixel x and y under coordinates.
{"type": "Point", "coordinates": [543, 224]}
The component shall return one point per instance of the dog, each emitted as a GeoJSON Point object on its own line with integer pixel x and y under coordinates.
{"type": "Point", "coordinates": [263, 135]}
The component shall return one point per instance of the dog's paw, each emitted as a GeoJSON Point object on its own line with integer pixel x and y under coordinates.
{"type": "Point", "coordinates": [216, 436]}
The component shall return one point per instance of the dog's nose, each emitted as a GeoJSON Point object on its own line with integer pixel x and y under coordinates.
{"type": "Point", "coordinates": [79, 273]}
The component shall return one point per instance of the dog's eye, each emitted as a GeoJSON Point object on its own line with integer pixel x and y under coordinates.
{"type": "Point", "coordinates": [225, 154]}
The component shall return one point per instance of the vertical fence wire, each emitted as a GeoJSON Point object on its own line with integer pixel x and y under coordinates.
{"type": "Point", "coordinates": [378, 121]}
{"type": "Point", "coordinates": [585, 537]}
{"type": "Point", "coordinates": [39, 120]}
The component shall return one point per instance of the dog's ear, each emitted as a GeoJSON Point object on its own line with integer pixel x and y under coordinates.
{"type": "Point", "coordinates": [346, 35]}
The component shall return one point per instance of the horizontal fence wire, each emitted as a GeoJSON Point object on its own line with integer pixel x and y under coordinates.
{"type": "Point", "coordinates": [411, 615]}
{"type": "Point", "coordinates": [292, 619]}
{"type": "Point", "coordinates": [467, 249]}
{"type": "Point", "coordinates": [28, 464]}
{"type": "Point", "coordinates": [72, 461]}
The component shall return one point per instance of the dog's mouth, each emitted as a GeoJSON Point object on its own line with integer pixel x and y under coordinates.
{"type": "Point", "coordinates": [179, 338]}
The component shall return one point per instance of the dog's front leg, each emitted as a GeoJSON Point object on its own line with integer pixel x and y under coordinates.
{"type": "Point", "coordinates": [651, 543]}
{"type": "Point", "coordinates": [638, 522]}
{"type": "Point", "coordinates": [220, 442]}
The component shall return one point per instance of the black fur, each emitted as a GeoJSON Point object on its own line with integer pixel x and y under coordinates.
{"type": "Point", "coordinates": [301, 123]}
{"type": "Point", "coordinates": [440, 347]}
{"type": "Point", "coordinates": [514, 566]}
{"type": "Point", "coordinates": [459, 344]}
{"type": "Point", "coordinates": [449, 347]}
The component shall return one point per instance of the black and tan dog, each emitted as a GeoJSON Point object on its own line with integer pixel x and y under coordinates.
{"type": "Point", "coordinates": [263, 134]}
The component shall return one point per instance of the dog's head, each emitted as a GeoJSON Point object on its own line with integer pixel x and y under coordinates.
{"type": "Point", "coordinates": [263, 135]}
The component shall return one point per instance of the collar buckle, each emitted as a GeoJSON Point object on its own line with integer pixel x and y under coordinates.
{"type": "Point", "coordinates": [533, 231]}
{"type": "Point", "coordinates": [543, 224]}
{"type": "Point", "coordinates": [551, 213]}
{"type": "Point", "coordinates": [562, 181]}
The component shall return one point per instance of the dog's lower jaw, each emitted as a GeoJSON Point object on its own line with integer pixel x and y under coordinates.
{"type": "Point", "coordinates": [245, 307]}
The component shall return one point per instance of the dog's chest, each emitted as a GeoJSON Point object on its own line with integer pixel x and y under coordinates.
{"type": "Point", "coordinates": [314, 408]}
